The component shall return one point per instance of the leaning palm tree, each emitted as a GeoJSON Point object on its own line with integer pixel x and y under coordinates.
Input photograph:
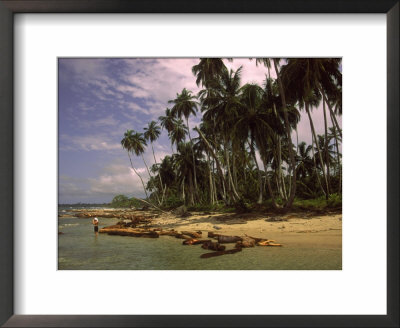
{"type": "Point", "coordinates": [185, 105]}
{"type": "Point", "coordinates": [152, 132]}
{"type": "Point", "coordinates": [139, 147]}
{"type": "Point", "coordinates": [128, 144]}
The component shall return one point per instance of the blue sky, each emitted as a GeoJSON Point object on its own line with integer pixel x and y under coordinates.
{"type": "Point", "coordinates": [99, 99]}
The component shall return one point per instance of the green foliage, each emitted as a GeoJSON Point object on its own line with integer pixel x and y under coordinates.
{"type": "Point", "coordinates": [241, 128]}
{"type": "Point", "coordinates": [124, 201]}
{"type": "Point", "coordinates": [335, 201]}
{"type": "Point", "coordinates": [241, 207]}
{"type": "Point", "coordinates": [318, 204]}
{"type": "Point", "coordinates": [172, 201]}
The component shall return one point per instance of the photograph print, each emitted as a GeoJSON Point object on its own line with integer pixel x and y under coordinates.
{"type": "Point", "coordinates": [199, 163]}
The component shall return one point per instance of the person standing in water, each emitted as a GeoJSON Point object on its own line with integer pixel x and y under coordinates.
{"type": "Point", "coordinates": [95, 222]}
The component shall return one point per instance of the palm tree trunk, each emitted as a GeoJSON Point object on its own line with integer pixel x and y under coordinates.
{"type": "Point", "coordinates": [278, 185]}
{"type": "Point", "coordinates": [234, 170]}
{"type": "Point", "coordinates": [315, 166]}
{"type": "Point", "coordinates": [337, 156]}
{"type": "Point", "coordinates": [260, 184]}
{"type": "Point", "coordinates": [210, 180]}
{"type": "Point", "coordinates": [144, 188]}
{"type": "Point", "coordinates": [159, 175]}
{"type": "Point", "coordinates": [284, 187]}
{"type": "Point", "coordinates": [194, 163]}
{"type": "Point", "coordinates": [280, 173]}
{"type": "Point", "coordinates": [331, 112]}
{"type": "Point", "coordinates": [318, 148]}
{"type": "Point", "coordinates": [287, 127]}
{"type": "Point", "coordinates": [271, 193]}
{"type": "Point", "coordinates": [215, 184]}
{"type": "Point", "coordinates": [183, 191]}
{"type": "Point", "coordinates": [230, 180]}
{"type": "Point", "coordinates": [219, 170]}
{"type": "Point", "coordinates": [326, 147]}
{"type": "Point", "coordinates": [147, 168]}
{"type": "Point", "coordinates": [148, 171]}
{"type": "Point", "coordinates": [191, 193]}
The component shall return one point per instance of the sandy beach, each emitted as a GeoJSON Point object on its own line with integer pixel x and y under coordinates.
{"type": "Point", "coordinates": [296, 229]}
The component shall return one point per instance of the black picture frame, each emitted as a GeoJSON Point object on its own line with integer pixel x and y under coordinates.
{"type": "Point", "coordinates": [10, 7]}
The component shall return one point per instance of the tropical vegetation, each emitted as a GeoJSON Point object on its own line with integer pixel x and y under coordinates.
{"type": "Point", "coordinates": [244, 152]}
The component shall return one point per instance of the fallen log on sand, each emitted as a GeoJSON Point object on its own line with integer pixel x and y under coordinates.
{"type": "Point", "coordinates": [268, 243]}
{"type": "Point", "coordinates": [129, 232]}
{"type": "Point", "coordinates": [246, 242]}
{"type": "Point", "coordinates": [172, 233]}
{"type": "Point", "coordinates": [195, 241]}
{"type": "Point", "coordinates": [213, 246]}
{"type": "Point", "coordinates": [264, 242]}
{"type": "Point", "coordinates": [218, 253]}
{"type": "Point", "coordinates": [182, 236]}
{"type": "Point", "coordinates": [192, 234]}
{"type": "Point", "coordinates": [212, 234]}
{"type": "Point", "coordinates": [228, 239]}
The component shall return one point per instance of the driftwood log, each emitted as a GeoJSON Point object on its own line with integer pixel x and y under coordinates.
{"type": "Point", "coordinates": [212, 234]}
{"type": "Point", "coordinates": [194, 241]}
{"type": "Point", "coordinates": [268, 243]}
{"type": "Point", "coordinates": [192, 234]}
{"type": "Point", "coordinates": [182, 236]}
{"type": "Point", "coordinates": [213, 246]}
{"type": "Point", "coordinates": [112, 230]}
{"type": "Point", "coordinates": [246, 242]}
{"type": "Point", "coordinates": [228, 239]}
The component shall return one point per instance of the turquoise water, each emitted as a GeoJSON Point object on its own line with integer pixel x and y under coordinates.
{"type": "Point", "coordinates": [80, 249]}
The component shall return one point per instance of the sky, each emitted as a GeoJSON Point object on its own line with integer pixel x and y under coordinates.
{"type": "Point", "coordinates": [99, 99]}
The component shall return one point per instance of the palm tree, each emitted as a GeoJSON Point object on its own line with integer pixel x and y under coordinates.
{"type": "Point", "coordinates": [185, 105]}
{"type": "Point", "coordinates": [167, 121]}
{"type": "Point", "coordinates": [184, 166]}
{"type": "Point", "coordinates": [128, 143]}
{"type": "Point", "coordinates": [273, 103]}
{"type": "Point", "coordinates": [220, 104]}
{"type": "Point", "coordinates": [178, 132]}
{"type": "Point", "coordinates": [333, 135]}
{"type": "Point", "coordinates": [152, 132]}
{"type": "Point", "coordinates": [304, 161]}
{"type": "Point", "coordinates": [207, 70]}
{"type": "Point", "coordinates": [253, 121]}
{"type": "Point", "coordinates": [292, 166]}
{"type": "Point", "coordinates": [302, 80]}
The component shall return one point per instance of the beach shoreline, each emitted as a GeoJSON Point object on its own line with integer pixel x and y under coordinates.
{"type": "Point", "coordinates": [298, 229]}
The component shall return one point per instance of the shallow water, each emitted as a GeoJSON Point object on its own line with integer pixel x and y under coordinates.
{"type": "Point", "coordinates": [80, 249]}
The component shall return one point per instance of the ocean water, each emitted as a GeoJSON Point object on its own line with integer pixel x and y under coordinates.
{"type": "Point", "coordinates": [80, 249]}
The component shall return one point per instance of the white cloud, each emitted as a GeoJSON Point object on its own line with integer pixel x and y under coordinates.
{"type": "Point", "coordinates": [251, 73]}
{"type": "Point", "coordinates": [87, 143]}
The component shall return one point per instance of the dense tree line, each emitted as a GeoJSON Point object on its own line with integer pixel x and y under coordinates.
{"type": "Point", "coordinates": [244, 151]}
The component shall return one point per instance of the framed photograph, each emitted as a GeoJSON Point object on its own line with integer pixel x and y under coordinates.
{"type": "Point", "coordinates": [212, 135]}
